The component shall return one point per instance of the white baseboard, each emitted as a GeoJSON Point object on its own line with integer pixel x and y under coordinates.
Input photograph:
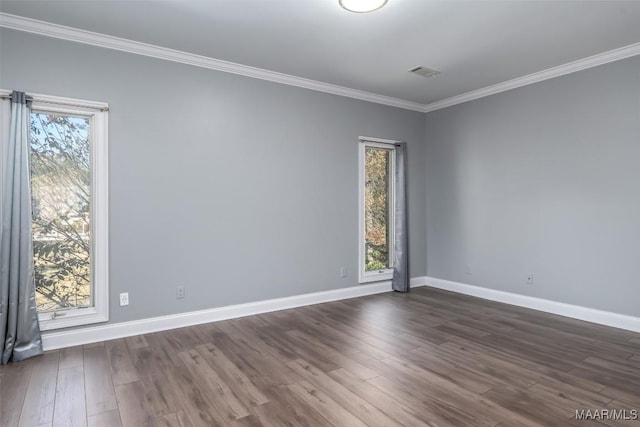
{"type": "Point", "coordinates": [54, 340]}
{"type": "Point", "coordinates": [607, 318]}
{"type": "Point", "coordinates": [69, 338]}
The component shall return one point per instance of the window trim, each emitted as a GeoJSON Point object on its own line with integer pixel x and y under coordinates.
{"type": "Point", "coordinates": [99, 312]}
{"type": "Point", "coordinates": [388, 144]}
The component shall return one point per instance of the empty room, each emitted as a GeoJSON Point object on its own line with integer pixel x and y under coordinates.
{"type": "Point", "coordinates": [319, 213]}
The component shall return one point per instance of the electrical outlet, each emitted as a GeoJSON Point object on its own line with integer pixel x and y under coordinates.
{"type": "Point", "coordinates": [467, 269]}
{"type": "Point", "coordinates": [343, 271]}
{"type": "Point", "coordinates": [124, 299]}
{"type": "Point", "coordinates": [180, 292]}
{"type": "Point", "coordinates": [530, 279]}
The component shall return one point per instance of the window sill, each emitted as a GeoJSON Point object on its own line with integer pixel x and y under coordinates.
{"type": "Point", "coordinates": [75, 317]}
{"type": "Point", "coordinates": [376, 276]}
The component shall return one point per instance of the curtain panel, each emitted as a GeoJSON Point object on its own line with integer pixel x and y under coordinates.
{"type": "Point", "coordinates": [400, 280]}
{"type": "Point", "coordinates": [19, 330]}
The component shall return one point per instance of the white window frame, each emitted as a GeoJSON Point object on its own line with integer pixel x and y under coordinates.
{"type": "Point", "coordinates": [98, 113]}
{"type": "Point", "coordinates": [387, 144]}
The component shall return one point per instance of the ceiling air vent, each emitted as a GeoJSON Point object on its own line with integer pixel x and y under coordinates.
{"type": "Point", "coordinates": [424, 71]}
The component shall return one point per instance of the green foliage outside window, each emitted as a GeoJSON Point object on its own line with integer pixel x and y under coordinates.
{"type": "Point", "coordinates": [60, 187]}
{"type": "Point", "coordinates": [377, 208]}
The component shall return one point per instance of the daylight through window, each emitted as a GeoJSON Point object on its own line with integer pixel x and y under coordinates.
{"type": "Point", "coordinates": [61, 201]}
{"type": "Point", "coordinates": [376, 206]}
{"type": "Point", "coordinates": [68, 166]}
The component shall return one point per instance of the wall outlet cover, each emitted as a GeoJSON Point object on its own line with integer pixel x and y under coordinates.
{"type": "Point", "coordinates": [180, 292]}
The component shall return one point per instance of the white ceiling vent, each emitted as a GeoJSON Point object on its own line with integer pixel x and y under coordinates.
{"type": "Point", "coordinates": [424, 71]}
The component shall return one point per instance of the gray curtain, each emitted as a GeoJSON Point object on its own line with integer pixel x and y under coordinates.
{"type": "Point", "coordinates": [400, 281]}
{"type": "Point", "coordinates": [19, 330]}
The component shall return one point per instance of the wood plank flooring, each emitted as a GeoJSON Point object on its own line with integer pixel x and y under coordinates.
{"type": "Point", "coordinates": [430, 357]}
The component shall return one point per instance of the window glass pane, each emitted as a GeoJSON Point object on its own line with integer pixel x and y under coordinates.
{"type": "Point", "coordinates": [377, 195]}
{"type": "Point", "coordinates": [60, 189]}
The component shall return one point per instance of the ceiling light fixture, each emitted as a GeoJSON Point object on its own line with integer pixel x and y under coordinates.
{"type": "Point", "coordinates": [362, 6]}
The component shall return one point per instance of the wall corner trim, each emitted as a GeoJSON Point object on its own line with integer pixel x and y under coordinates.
{"type": "Point", "coordinates": [69, 338]}
{"type": "Point", "coordinates": [592, 315]}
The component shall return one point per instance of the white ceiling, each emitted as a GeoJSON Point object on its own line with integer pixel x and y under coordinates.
{"type": "Point", "coordinates": [474, 44]}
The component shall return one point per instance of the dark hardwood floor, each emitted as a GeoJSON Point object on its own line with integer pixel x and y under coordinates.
{"type": "Point", "coordinates": [427, 358]}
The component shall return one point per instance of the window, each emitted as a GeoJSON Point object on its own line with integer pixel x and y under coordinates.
{"type": "Point", "coordinates": [377, 160]}
{"type": "Point", "coordinates": [68, 166]}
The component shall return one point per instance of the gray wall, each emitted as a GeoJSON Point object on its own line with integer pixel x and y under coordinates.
{"type": "Point", "coordinates": [544, 179]}
{"type": "Point", "coordinates": [244, 190]}
{"type": "Point", "coordinates": [239, 189]}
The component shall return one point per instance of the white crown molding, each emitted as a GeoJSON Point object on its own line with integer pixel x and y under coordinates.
{"type": "Point", "coordinates": [47, 29]}
{"type": "Point", "coordinates": [560, 70]}
{"type": "Point", "coordinates": [69, 338]}
{"type": "Point", "coordinates": [592, 315]}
